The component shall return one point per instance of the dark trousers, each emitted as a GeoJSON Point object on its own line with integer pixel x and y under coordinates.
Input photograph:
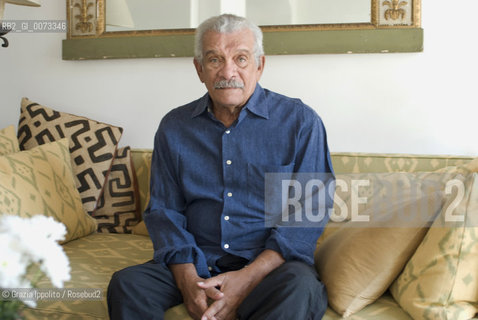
{"type": "Point", "coordinates": [146, 291]}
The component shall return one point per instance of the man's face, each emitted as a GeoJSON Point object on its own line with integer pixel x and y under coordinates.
{"type": "Point", "coordinates": [229, 59]}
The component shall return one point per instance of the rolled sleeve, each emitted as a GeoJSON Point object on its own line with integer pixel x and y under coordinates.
{"type": "Point", "coordinates": [164, 217]}
{"type": "Point", "coordinates": [298, 243]}
{"type": "Point", "coordinates": [294, 243]}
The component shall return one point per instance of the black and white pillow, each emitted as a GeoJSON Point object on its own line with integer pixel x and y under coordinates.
{"type": "Point", "coordinates": [118, 208]}
{"type": "Point", "coordinates": [92, 144]}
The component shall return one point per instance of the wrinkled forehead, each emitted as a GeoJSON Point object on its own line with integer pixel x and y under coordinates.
{"type": "Point", "coordinates": [228, 42]}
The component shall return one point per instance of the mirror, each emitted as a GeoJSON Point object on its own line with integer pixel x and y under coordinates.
{"type": "Point", "coordinates": [100, 29]}
{"type": "Point", "coordinates": [182, 14]}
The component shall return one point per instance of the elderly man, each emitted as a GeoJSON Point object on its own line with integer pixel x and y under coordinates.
{"type": "Point", "coordinates": [212, 249]}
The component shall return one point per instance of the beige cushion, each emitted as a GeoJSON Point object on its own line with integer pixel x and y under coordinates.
{"type": "Point", "coordinates": [8, 141]}
{"type": "Point", "coordinates": [92, 144]}
{"type": "Point", "coordinates": [352, 260]}
{"type": "Point", "coordinates": [384, 308]}
{"type": "Point", "coordinates": [93, 261]}
{"type": "Point", "coordinates": [118, 208]}
{"type": "Point", "coordinates": [40, 181]}
{"type": "Point", "coordinates": [441, 279]}
{"type": "Point", "coordinates": [358, 261]}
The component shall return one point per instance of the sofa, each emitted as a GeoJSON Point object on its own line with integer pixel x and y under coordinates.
{"type": "Point", "coordinates": [425, 269]}
{"type": "Point", "coordinates": [95, 257]}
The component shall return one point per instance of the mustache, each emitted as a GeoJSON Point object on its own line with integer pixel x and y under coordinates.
{"type": "Point", "coordinates": [226, 84]}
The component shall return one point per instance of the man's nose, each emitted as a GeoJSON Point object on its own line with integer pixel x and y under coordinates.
{"type": "Point", "coordinates": [228, 70]}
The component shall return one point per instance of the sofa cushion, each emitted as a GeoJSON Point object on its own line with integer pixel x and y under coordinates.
{"type": "Point", "coordinates": [360, 259]}
{"type": "Point", "coordinates": [40, 181]}
{"type": "Point", "coordinates": [118, 207]}
{"type": "Point", "coordinates": [92, 144]}
{"type": "Point", "coordinates": [384, 308]}
{"type": "Point", "coordinates": [361, 290]}
{"type": "Point", "coordinates": [8, 141]}
{"type": "Point", "coordinates": [441, 279]}
{"type": "Point", "coordinates": [93, 261]}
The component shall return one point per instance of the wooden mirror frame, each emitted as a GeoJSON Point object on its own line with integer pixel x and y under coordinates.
{"type": "Point", "coordinates": [87, 38]}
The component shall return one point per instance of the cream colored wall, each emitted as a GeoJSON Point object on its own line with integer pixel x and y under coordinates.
{"type": "Point", "coordinates": [409, 103]}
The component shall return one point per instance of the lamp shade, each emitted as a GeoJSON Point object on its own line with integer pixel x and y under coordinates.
{"type": "Point", "coordinates": [31, 3]}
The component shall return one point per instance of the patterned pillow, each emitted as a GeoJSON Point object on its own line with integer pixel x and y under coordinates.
{"type": "Point", "coordinates": [92, 144]}
{"type": "Point", "coordinates": [440, 281]}
{"type": "Point", "coordinates": [118, 207]}
{"type": "Point", "coordinates": [8, 141]}
{"type": "Point", "coordinates": [40, 181]}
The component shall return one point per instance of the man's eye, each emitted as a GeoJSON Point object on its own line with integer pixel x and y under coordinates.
{"type": "Point", "coordinates": [242, 60]}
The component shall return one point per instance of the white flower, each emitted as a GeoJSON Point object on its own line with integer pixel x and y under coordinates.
{"type": "Point", "coordinates": [12, 264]}
{"type": "Point", "coordinates": [31, 241]}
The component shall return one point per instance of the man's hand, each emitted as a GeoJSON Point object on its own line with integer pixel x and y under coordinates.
{"type": "Point", "coordinates": [235, 286]}
{"type": "Point", "coordinates": [195, 298]}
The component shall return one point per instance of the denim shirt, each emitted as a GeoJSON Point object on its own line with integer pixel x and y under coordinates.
{"type": "Point", "coordinates": [207, 181]}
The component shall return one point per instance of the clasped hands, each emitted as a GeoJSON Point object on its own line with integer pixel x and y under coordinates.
{"type": "Point", "coordinates": [226, 291]}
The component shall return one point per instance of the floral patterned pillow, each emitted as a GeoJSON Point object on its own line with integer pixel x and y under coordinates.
{"type": "Point", "coordinates": [440, 281]}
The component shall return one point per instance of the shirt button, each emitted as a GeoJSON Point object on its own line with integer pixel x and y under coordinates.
{"type": "Point", "coordinates": [229, 162]}
{"type": "Point", "coordinates": [229, 194]}
{"type": "Point", "coordinates": [226, 218]}
{"type": "Point", "coordinates": [226, 246]}
{"type": "Point", "coordinates": [228, 131]}
{"type": "Point", "coordinates": [209, 268]}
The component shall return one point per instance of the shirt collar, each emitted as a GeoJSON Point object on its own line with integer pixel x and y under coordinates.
{"type": "Point", "coordinates": [257, 104]}
{"type": "Point", "coordinates": [201, 106]}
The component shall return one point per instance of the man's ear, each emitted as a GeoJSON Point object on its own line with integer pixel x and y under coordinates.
{"type": "Point", "coordinates": [199, 69]}
{"type": "Point", "coordinates": [263, 62]}
{"type": "Point", "coordinates": [260, 69]}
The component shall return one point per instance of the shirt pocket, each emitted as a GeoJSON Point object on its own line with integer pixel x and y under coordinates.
{"type": "Point", "coordinates": [256, 180]}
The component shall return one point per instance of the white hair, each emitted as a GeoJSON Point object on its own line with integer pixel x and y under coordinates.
{"type": "Point", "coordinates": [227, 23]}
